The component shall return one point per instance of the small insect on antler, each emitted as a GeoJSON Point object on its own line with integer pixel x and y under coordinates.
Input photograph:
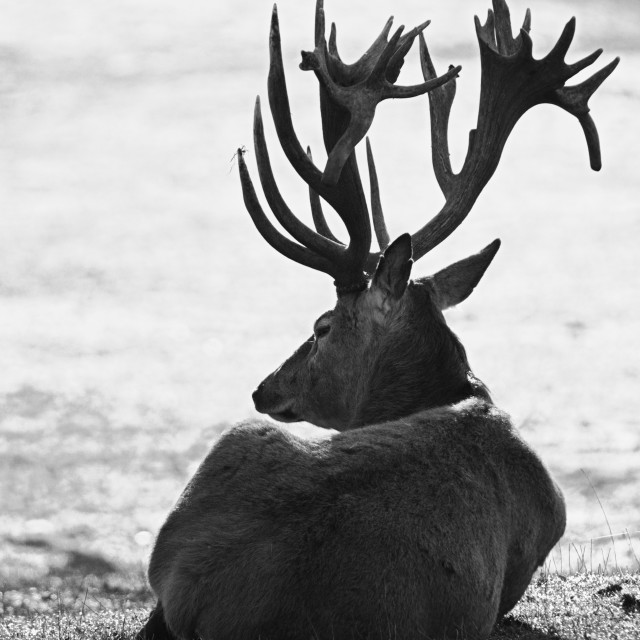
{"type": "Point", "coordinates": [512, 82]}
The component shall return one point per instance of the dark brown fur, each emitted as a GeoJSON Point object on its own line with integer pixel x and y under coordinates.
{"type": "Point", "coordinates": [425, 517]}
{"type": "Point", "coordinates": [424, 527]}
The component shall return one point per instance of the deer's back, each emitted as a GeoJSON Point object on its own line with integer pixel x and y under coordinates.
{"type": "Point", "coordinates": [409, 522]}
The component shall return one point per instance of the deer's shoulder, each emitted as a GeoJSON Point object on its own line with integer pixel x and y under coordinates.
{"type": "Point", "coordinates": [471, 419]}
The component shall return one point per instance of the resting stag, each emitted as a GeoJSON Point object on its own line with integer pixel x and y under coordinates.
{"type": "Point", "coordinates": [424, 514]}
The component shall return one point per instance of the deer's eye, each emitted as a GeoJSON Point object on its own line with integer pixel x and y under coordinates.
{"type": "Point", "coordinates": [321, 330]}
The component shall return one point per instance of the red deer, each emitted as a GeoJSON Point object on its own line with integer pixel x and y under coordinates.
{"type": "Point", "coordinates": [426, 515]}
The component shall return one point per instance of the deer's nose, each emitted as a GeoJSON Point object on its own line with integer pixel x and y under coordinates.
{"type": "Point", "coordinates": [257, 394]}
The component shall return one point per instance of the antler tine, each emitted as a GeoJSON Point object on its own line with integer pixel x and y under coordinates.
{"type": "Point", "coordinates": [526, 24]}
{"type": "Point", "coordinates": [370, 87]}
{"type": "Point", "coordinates": [440, 102]}
{"type": "Point", "coordinates": [280, 243]}
{"type": "Point", "coordinates": [406, 42]}
{"type": "Point", "coordinates": [504, 36]}
{"type": "Point", "coordinates": [487, 30]}
{"type": "Point", "coordinates": [512, 82]}
{"type": "Point", "coordinates": [346, 264]}
{"type": "Point", "coordinates": [561, 47]}
{"type": "Point", "coordinates": [587, 61]}
{"type": "Point", "coordinates": [392, 47]}
{"type": "Point", "coordinates": [348, 74]}
{"type": "Point", "coordinates": [412, 91]}
{"type": "Point", "coordinates": [319, 221]}
{"type": "Point", "coordinates": [379, 224]}
{"type": "Point", "coordinates": [319, 25]}
{"type": "Point", "coordinates": [574, 99]}
{"type": "Point", "coordinates": [303, 234]}
{"type": "Point", "coordinates": [281, 111]}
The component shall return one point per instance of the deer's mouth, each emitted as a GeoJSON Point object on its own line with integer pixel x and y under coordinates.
{"type": "Point", "coordinates": [276, 408]}
{"type": "Point", "coordinates": [288, 415]}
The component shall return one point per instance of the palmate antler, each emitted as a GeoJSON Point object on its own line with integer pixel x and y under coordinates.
{"type": "Point", "coordinates": [512, 82]}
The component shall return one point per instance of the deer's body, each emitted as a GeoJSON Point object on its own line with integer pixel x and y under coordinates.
{"type": "Point", "coordinates": [421, 527]}
{"type": "Point", "coordinates": [426, 515]}
{"type": "Point", "coordinates": [429, 524]}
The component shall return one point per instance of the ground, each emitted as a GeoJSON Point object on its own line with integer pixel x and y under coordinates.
{"type": "Point", "coordinates": [555, 607]}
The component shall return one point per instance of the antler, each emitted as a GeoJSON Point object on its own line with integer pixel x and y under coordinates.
{"type": "Point", "coordinates": [512, 82]}
{"type": "Point", "coordinates": [357, 89]}
{"type": "Point", "coordinates": [348, 97]}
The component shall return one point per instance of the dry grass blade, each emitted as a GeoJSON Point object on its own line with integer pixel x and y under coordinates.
{"type": "Point", "coordinates": [605, 516]}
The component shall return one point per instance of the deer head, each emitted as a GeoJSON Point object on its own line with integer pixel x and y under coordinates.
{"type": "Point", "coordinates": [385, 351]}
{"type": "Point", "coordinates": [388, 349]}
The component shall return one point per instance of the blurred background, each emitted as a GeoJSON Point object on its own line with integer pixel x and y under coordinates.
{"type": "Point", "coordinates": [139, 306]}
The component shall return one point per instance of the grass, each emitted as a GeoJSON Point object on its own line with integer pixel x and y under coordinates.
{"type": "Point", "coordinates": [588, 606]}
{"type": "Point", "coordinates": [584, 606]}
{"type": "Point", "coordinates": [580, 593]}
{"type": "Point", "coordinates": [75, 607]}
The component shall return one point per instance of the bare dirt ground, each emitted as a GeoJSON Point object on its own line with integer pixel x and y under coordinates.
{"type": "Point", "coordinates": [139, 307]}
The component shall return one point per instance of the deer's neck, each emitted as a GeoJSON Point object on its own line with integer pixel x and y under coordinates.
{"type": "Point", "coordinates": [406, 382]}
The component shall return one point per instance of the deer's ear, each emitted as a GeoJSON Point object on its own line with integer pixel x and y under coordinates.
{"type": "Point", "coordinates": [454, 283]}
{"type": "Point", "coordinates": [394, 269]}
